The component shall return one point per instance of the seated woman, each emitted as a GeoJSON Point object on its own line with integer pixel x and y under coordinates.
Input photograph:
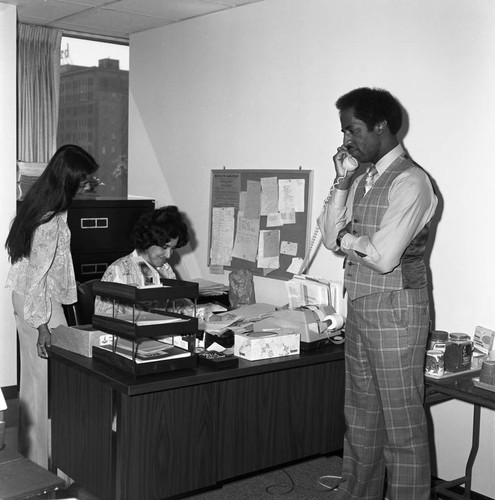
{"type": "Point", "coordinates": [155, 236]}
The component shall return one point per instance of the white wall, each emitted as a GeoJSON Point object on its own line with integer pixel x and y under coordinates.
{"type": "Point", "coordinates": [255, 87]}
{"type": "Point", "coordinates": [8, 36]}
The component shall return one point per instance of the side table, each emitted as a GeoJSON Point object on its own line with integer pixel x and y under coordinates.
{"type": "Point", "coordinates": [460, 387]}
{"type": "Point", "coordinates": [20, 478]}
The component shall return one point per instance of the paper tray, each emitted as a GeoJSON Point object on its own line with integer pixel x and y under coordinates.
{"type": "Point", "coordinates": [131, 368]}
{"type": "Point", "coordinates": [482, 385]}
{"type": "Point", "coordinates": [186, 326]}
{"type": "Point", "coordinates": [171, 289]}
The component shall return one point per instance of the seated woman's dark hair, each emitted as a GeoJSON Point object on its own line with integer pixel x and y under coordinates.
{"type": "Point", "coordinates": [159, 227]}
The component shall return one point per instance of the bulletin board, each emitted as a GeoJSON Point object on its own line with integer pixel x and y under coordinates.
{"type": "Point", "coordinates": [259, 220]}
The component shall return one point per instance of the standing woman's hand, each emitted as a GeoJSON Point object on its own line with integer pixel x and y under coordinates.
{"type": "Point", "coordinates": [44, 340]}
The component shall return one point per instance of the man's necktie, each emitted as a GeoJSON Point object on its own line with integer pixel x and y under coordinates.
{"type": "Point", "coordinates": [370, 178]}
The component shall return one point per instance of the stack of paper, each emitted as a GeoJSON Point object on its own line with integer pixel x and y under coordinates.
{"type": "Point", "coordinates": [145, 318]}
{"type": "Point", "coordinates": [218, 323]}
{"type": "Point", "coordinates": [239, 320]}
{"type": "Point", "coordinates": [210, 288]}
{"type": "Point", "coordinates": [148, 350]}
{"type": "Point", "coordinates": [305, 290]}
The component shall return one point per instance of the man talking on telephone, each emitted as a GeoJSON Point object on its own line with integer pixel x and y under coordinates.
{"type": "Point", "coordinates": [380, 221]}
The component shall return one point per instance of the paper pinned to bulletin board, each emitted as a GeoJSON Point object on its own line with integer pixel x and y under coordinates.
{"type": "Point", "coordinates": [259, 220]}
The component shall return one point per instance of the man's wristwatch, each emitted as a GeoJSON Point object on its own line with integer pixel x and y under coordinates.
{"type": "Point", "coordinates": [340, 235]}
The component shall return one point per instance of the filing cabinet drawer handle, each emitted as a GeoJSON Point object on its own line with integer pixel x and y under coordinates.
{"type": "Point", "coordinates": [94, 268]}
{"type": "Point", "coordinates": [94, 223]}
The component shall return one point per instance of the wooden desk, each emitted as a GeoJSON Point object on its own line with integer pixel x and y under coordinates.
{"type": "Point", "coordinates": [169, 434]}
{"type": "Point", "coordinates": [20, 478]}
{"type": "Point", "coordinates": [460, 387]}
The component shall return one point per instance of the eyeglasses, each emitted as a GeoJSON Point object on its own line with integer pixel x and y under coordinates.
{"type": "Point", "coordinates": [90, 183]}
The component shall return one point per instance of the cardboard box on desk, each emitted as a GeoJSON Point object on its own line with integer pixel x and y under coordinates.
{"type": "Point", "coordinates": [265, 345]}
{"type": "Point", "coordinates": [79, 339]}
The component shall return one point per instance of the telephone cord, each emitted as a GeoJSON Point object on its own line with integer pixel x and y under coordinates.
{"type": "Point", "coordinates": [317, 229]}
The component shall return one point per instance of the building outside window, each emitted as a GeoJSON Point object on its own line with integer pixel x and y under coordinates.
{"type": "Point", "coordinates": [94, 107]}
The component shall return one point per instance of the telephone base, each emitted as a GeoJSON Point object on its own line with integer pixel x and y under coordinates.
{"type": "Point", "coordinates": [316, 344]}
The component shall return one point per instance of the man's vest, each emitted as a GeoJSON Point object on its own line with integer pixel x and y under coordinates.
{"type": "Point", "coordinates": [368, 212]}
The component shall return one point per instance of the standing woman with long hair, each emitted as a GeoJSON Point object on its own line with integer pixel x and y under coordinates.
{"type": "Point", "coordinates": [42, 279]}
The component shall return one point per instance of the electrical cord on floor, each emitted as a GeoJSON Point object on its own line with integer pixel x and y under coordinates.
{"type": "Point", "coordinates": [286, 489]}
{"type": "Point", "coordinates": [281, 489]}
{"type": "Point", "coordinates": [322, 479]}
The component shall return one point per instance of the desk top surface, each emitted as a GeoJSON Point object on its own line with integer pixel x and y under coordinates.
{"type": "Point", "coordinates": [182, 378]}
{"type": "Point", "coordinates": [460, 387]}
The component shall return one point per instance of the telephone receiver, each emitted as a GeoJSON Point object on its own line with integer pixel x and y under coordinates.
{"type": "Point", "coordinates": [350, 163]}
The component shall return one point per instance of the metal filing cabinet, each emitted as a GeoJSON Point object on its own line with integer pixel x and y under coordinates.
{"type": "Point", "coordinates": [100, 232]}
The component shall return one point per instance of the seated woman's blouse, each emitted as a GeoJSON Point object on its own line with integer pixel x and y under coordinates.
{"type": "Point", "coordinates": [47, 274]}
{"type": "Point", "coordinates": [129, 271]}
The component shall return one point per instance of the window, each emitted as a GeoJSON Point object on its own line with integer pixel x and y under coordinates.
{"type": "Point", "coordinates": [94, 105]}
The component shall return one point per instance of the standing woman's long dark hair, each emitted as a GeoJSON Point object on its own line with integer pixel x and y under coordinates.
{"type": "Point", "coordinates": [51, 194]}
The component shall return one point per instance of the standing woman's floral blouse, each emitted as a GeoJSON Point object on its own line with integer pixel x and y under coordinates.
{"type": "Point", "coordinates": [48, 273]}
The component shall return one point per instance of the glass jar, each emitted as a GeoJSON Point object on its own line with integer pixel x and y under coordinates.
{"type": "Point", "coordinates": [458, 352]}
{"type": "Point", "coordinates": [437, 340]}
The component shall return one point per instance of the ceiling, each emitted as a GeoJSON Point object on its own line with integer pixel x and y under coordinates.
{"type": "Point", "coordinates": [115, 18]}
